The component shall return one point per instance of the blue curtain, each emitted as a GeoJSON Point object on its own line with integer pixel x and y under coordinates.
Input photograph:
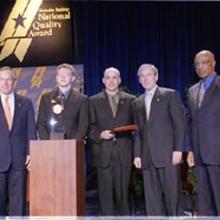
{"type": "Point", "coordinates": [167, 34]}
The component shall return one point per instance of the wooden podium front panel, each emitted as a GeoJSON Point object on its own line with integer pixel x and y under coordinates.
{"type": "Point", "coordinates": [57, 178]}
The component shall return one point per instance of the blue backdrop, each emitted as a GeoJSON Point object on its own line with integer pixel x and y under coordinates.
{"type": "Point", "coordinates": [167, 34]}
{"type": "Point", "coordinates": [127, 34]}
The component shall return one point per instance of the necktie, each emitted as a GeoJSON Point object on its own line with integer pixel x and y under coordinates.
{"type": "Point", "coordinates": [147, 104]}
{"type": "Point", "coordinates": [113, 104]}
{"type": "Point", "coordinates": [62, 99]}
{"type": "Point", "coordinates": [201, 93]}
{"type": "Point", "coordinates": [7, 111]}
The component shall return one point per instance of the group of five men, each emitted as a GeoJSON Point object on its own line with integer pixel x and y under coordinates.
{"type": "Point", "coordinates": [155, 147]}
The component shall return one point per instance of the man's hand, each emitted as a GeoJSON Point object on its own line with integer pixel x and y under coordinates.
{"type": "Point", "coordinates": [137, 162]}
{"type": "Point", "coordinates": [107, 135]}
{"type": "Point", "coordinates": [177, 157]}
{"type": "Point", "coordinates": [27, 162]}
{"type": "Point", "coordinates": [190, 159]}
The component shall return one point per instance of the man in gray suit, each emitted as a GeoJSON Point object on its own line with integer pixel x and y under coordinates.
{"type": "Point", "coordinates": [159, 143]}
{"type": "Point", "coordinates": [204, 127]}
{"type": "Point", "coordinates": [112, 153]}
{"type": "Point", "coordinates": [63, 113]}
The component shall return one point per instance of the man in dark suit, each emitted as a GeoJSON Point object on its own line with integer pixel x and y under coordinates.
{"type": "Point", "coordinates": [112, 153]}
{"type": "Point", "coordinates": [159, 143]}
{"type": "Point", "coordinates": [63, 113]}
{"type": "Point", "coordinates": [204, 126]}
{"type": "Point", "coordinates": [17, 127]}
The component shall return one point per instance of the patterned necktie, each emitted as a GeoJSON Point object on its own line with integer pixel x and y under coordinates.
{"type": "Point", "coordinates": [201, 93]}
{"type": "Point", "coordinates": [7, 111]}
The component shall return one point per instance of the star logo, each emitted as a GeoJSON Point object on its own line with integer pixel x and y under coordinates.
{"type": "Point", "coordinates": [14, 36]}
{"type": "Point", "coordinates": [19, 21]}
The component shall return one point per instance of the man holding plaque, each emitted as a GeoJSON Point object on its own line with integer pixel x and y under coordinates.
{"type": "Point", "coordinates": [63, 113]}
{"type": "Point", "coordinates": [112, 147]}
{"type": "Point", "coordinates": [159, 143]}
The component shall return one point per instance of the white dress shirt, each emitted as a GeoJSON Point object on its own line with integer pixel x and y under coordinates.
{"type": "Point", "coordinates": [148, 99]}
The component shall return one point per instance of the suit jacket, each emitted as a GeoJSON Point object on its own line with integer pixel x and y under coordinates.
{"type": "Point", "coordinates": [101, 118]}
{"type": "Point", "coordinates": [204, 123]}
{"type": "Point", "coordinates": [75, 115]}
{"type": "Point", "coordinates": [14, 146]}
{"type": "Point", "coordinates": [163, 132]}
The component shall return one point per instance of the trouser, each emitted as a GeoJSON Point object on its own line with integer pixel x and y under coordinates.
{"type": "Point", "coordinates": [113, 188]}
{"type": "Point", "coordinates": [208, 190]}
{"type": "Point", "coordinates": [162, 189]}
{"type": "Point", "coordinates": [13, 193]}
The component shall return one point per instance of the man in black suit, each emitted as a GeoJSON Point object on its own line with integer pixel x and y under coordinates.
{"type": "Point", "coordinates": [159, 143]}
{"type": "Point", "coordinates": [204, 126]}
{"type": "Point", "coordinates": [17, 127]}
{"type": "Point", "coordinates": [63, 113]}
{"type": "Point", "coordinates": [112, 153]}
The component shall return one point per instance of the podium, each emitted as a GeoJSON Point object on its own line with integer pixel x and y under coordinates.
{"type": "Point", "coordinates": [57, 178]}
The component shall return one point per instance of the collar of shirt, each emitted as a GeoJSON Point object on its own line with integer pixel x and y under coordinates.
{"type": "Point", "coordinates": [65, 93]}
{"type": "Point", "coordinates": [207, 82]}
{"type": "Point", "coordinates": [11, 96]}
{"type": "Point", "coordinates": [151, 91]}
{"type": "Point", "coordinates": [115, 95]}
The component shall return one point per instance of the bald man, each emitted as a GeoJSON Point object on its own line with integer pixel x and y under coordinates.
{"type": "Point", "coordinates": [112, 153]}
{"type": "Point", "coordinates": [204, 127]}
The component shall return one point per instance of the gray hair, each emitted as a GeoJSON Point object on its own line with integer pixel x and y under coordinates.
{"type": "Point", "coordinates": [143, 66]}
{"type": "Point", "coordinates": [13, 74]}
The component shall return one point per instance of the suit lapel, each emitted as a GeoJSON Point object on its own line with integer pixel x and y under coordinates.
{"type": "Point", "coordinates": [70, 97]}
{"type": "Point", "coordinates": [210, 91]}
{"type": "Point", "coordinates": [154, 103]}
{"type": "Point", "coordinates": [195, 96]}
{"type": "Point", "coordinates": [106, 105]}
{"type": "Point", "coordinates": [120, 104]}
{"type": "Point", "coordinates": [17, 111]}
{"type": "Point", "coordinates": [2, 117]}
{"type": "Point", "coordinates": [141, 107]}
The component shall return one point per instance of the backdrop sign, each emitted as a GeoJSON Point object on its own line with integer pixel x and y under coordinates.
{"type": "Point", "coordinates": [35, 81]}
{"type": "Point", "coordinates": [36, 33]}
